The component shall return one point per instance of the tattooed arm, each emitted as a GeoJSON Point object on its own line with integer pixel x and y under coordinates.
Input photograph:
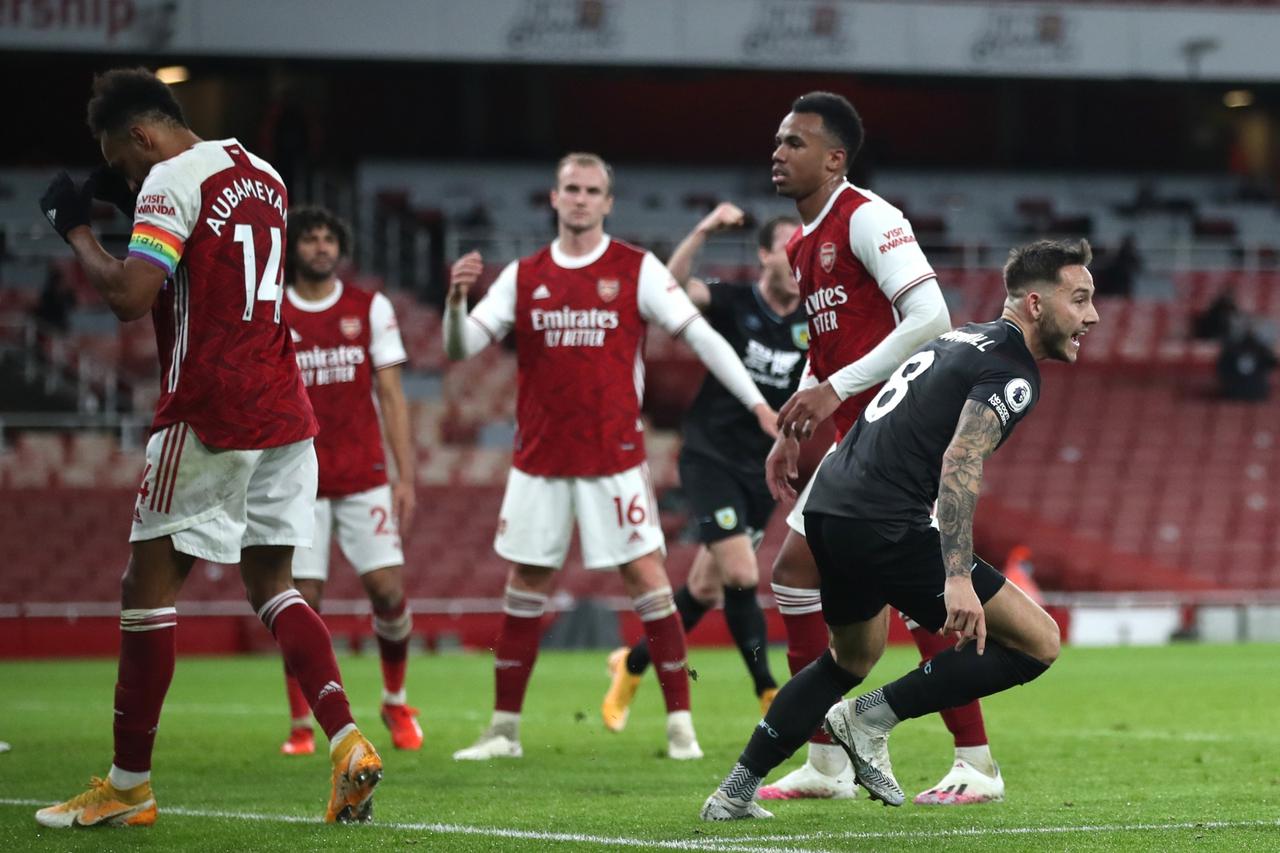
{"type": "Point", "coordinates": [977, 434]}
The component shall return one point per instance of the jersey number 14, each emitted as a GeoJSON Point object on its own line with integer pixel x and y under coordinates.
{"type": "Point", "coordinates": [269, 287]}
{"type": "Point", "coordinates": [895, 389]}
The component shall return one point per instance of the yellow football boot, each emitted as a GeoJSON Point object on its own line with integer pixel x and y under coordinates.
{"type": "Point", "coordinates": [622, 689]}
{"type": "Point", "coordinates": [103, 805]}
{"type": "Point", "coordinates": [357, 769]}
{"type": "Point", "coordinates": [766, 699]}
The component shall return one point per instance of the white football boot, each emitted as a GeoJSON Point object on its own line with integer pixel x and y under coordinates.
{"type": "Point", "coordinates": [500, 740]}
{"type": "Point", "coordinates": [807, 782]}
{"type": "Point", "coordinates": [721, 806]}
{"type": "Point", "coordinates": [682, 743]}
{"type": "Point", "coordinates": [964, 785]}
{"type": "Point", "coordinates": [868, 750]}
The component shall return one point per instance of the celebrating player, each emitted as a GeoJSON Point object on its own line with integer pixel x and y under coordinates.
{"type": "Point", "coordinates": [230, 469]}
{"type": "Point", "coordinates": [579, 309]}
{"type": "Point", "coordinates": [348, 349]}
{"type": "Point", "coordinates": [722, 460]}
{"type": "Point", "coordinates": [871, 297]}
{"type": "Point", "coordinates": [923, 437]}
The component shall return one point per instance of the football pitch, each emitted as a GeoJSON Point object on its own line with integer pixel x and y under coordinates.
{"type": "Point", "coordinates": [1174, 748]}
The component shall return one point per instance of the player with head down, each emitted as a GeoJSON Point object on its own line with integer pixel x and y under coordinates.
{"type": "Point", "coordinates": [230, 471]}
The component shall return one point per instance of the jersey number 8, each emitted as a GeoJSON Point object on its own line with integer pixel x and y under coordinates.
{"type": "Point", "coordinates": [895, 390]}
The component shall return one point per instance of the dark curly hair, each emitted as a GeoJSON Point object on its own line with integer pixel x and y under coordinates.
{"type": "Point", "coordinates": [304, 218]}
{"type": "Point", "coordinates": [122, 95]}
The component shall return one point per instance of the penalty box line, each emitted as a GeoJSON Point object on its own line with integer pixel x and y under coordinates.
{"type": "Point", "coordinates": [728, 844]}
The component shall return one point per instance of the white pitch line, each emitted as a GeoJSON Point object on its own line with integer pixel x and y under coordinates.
{"type": "Point", "coordinates": [715, 845]}
{"type": "Point", "coordinates": [977, 832]}
{"type": "Point", "coordinates": [725, 843]}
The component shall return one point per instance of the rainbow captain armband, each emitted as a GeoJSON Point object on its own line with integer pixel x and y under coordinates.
{"type": "Point", "coordinates": [155, 245]}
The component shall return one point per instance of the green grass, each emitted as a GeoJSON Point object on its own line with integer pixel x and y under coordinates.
{"type": "Point", "coordinates": [1115, 749]}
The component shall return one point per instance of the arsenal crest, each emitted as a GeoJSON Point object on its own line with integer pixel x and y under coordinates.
{"type": "Point", "coordinates": [607, 288]}
{"type": "Point", "coordinates": [351, 327]}
{"type": "Point", "coordinates": [827, 256]}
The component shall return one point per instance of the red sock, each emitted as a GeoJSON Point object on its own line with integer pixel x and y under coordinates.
{"type": "Point", "coordinates": [392, 627]}
{"type": "Point", "coordinates": [308, 652]}
{"type": "Point", "coordinates": [516, 649]}
{"type": "Point", "coordinates": [665, 635]}
{"type": "Point", "coordinates": [148, 648]}
{"type": "Point", "coordinates": [298, 707]}
{"type": "Point", "coordinates": [514, 655]}
{"type": "Point", "coordinates": [807, 638]}
{"type": "Point", "coordinates": [965, 722]}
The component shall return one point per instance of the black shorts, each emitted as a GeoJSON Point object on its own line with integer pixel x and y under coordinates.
{"type": "Point", "coordinates": [725, 501]}
{"type": "Point", "coordinates": [862, 571]}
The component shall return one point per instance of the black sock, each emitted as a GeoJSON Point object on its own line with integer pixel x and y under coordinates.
{"type": "Point", "coordinates": [746, 623]}
{"type": "Point", "coordinates": [954, 678]}
{"type": "Point", "coordinates": [691, 610]}
{"type": "Point", "coordinates": [796, 711]}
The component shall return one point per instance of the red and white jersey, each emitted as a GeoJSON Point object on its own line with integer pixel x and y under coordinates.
{"type": "Point", "coordinates": [213, 218]}
{"type": "Point", "coordinates": [340, 341]}
{"type": "Point", "coordinates": [853, 263]}
{"type": "Point", "coordinates": [580, 324]}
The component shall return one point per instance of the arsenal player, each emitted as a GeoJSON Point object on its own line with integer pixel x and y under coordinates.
{"type": "Point", "coordinates": [579, 309]}
{"type": "Point", "coordinates": [872, 298]}
{"type": "Point", "coordinates": [349, 350]}
{"type": "Point", "coordinates": [230, 471]}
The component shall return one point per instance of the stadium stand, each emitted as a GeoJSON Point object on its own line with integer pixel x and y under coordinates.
{"type": "Point", "coordinates": [1093, 478]}
{"type": "Point", "coordinates": [1132, 478]}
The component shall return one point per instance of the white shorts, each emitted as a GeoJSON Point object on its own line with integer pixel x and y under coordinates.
{"type": "Point", "coordinates": [367, 534]}
{"type": "Point", "coordinates": [795, 518]}
{"type": "Point", "coordinates": [213, 502]}
{"type": "Point", "coordinates": [617, 518]}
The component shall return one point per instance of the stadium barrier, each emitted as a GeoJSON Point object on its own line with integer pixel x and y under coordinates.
{"type": "Point", "coordinates": [90, 629]}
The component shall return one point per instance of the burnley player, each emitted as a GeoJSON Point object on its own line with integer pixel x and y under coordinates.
{"type": "Point", "coordinates": [230, 469]}
{"type": "Point", "coordinates": [923, 439]}
{"type": "Point", "coordinates": [722, 459]}
{"type": "Point", "coordinates": [349, 350]}
{"type": "Point", "coordinates": [872, 298]}
{"type": "Point", "coordinates": [579, 309]}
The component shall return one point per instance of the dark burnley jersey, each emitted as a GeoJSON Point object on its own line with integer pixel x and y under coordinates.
{"type": "Point", "coordinates": [773, 350]}
{"type": "Point", "coordinates": [886, 470]}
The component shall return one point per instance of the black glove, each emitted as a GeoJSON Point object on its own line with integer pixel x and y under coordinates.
{"type": "Point", "coordinates": [65, 205]}
{"type": "Point", "coordinates": [110, 186]}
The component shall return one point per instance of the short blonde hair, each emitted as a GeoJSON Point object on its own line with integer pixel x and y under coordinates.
{"type": "Point", "coordinates": [585, 158]}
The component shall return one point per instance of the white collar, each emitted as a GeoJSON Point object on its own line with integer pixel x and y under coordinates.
{"type": "Point", "coordinates": [809, 229]}
{"type": "Point", "coordinates": [318, 305]}
{"type": "Point", "coordinates": [577, 262]}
